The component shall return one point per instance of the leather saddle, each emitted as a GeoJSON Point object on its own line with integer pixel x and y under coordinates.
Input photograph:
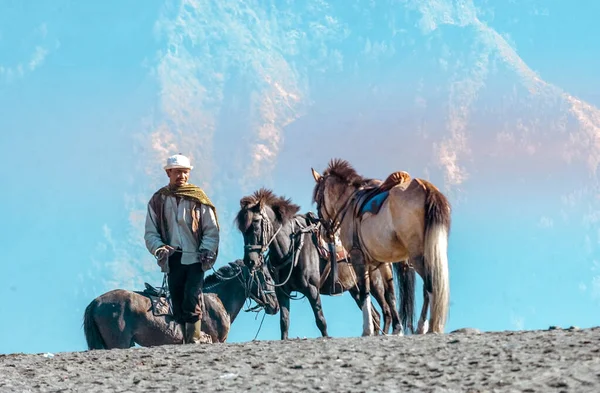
{"type": "Point", "coordinates": [160, 303]}
{"type": "Point", "coordinates": [323, 248]}
{"type": "Point", "coordinates": [151, 290]}
{"type": "Point", "coordinates": [372, 197]}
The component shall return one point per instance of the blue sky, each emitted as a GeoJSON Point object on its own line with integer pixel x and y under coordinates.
{"type": "Point", "coordinates": [495, 102]}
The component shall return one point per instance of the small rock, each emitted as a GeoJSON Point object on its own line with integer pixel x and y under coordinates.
{"type": "Point", "coordinates": [466, 331]}
{"type": "Point", "coordinates": [574, 328]}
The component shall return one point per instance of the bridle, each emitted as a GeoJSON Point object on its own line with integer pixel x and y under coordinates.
{"type": "Point", "coordinates": [267, 229]}
{"type": "Point", "coordinates": [291, 257]}
{"type": "Point", "coordinates": [248, 281]}
{"type": "Point", "coordinates": [331, 225]}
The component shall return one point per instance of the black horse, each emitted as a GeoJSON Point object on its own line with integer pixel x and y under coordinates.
{"type": "Point", "coordinates": [298, 260]}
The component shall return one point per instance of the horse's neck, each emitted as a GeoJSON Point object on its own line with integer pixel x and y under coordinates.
{"type": "Point", "coordinates": [232, 294]}
{"type": "Point", "coordinates": [344, 204]}
{"type": "Point", "coordinates": [344, 213]}
{"type": "Point", "coordinates": [280, 247]}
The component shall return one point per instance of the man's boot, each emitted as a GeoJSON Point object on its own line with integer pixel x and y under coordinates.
{"type": "Point", "coordinates": [193, 334]}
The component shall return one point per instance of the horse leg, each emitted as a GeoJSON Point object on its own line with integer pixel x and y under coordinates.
{"type": "Point", "coordinates": [284, 312]}
{"type": "Point", "coordinates": [355, 293]}
{"type": "Point", "coordinates": [423, 325]}
{"type": "Point", "coordinates": [312, 293]}
{"type": "Point", "coordinates": [389, 292]}
{"type": "Point", "coordinates": [116, 332]}
{"type": "Point", "coordinates": [378, 293]}
{"type": "Point", "coordinates": [419, 266]}
{"type": "Point", "coordinates": [405, 279]}
{"type": "Point", "coordinates": [364, 284]}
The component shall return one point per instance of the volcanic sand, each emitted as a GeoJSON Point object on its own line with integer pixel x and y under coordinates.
{"type": "Point", "coordinates": [464, 361]}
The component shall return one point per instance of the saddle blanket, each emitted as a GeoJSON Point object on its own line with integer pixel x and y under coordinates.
{"type": "Point", "coordinates": [373, 204]}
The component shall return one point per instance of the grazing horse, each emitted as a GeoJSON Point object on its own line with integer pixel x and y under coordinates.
{"type": "Point", "coordinates": [298, 261]}
{"type": "Point", "coordinates": [120, 318]}
{"type": "Point", "coordinates": [402, 219]}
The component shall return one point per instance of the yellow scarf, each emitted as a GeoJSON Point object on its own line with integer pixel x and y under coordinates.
{"type": "Point", "coordinates": [188, 191]}
{"type": "Point", "coordinates": [191, 192]}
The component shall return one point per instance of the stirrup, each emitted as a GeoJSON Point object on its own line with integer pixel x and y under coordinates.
{"type": "Point", "coordinates": [341, 292]}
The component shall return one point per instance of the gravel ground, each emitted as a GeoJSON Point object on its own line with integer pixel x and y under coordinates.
{"type": "Point", "coordinates": [467, 361]}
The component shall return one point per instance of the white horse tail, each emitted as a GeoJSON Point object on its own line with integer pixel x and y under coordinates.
{"type": "Point", "coordinates": [437, 230]}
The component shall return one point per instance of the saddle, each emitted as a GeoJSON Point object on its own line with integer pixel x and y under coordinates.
{"type": "Point", "coordinates": [160, 304]}
{"type": "Point", "coordinates": [323, 248]}
{"type": "Point", "coordinates": [371, 198]}
{"type": "Point", "coordinates": [340, 257]}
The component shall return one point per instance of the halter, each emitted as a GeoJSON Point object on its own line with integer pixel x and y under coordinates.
{"type": "Point", "coordinates": [246, 279]}
{"type": "Point", "coordinates": [333, 224]}
{"type": "Point", "coordinates": [267, 228]}
{"type": "Point", "coordinates": [293, 253]}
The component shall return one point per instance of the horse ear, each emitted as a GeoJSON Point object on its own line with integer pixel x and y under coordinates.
{"type": "Point", "coordinates": [316, 175]}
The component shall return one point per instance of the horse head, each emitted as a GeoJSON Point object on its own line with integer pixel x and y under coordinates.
{"type": "Point", "coordinates": [261, 288]}
{"type": "Point", "coordinates": [261, 217]}
{"type": "Point", "coordinates": [333, 192]}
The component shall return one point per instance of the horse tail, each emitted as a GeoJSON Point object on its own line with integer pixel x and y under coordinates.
{"type": "Point", "coordinates": [90, 328]}
{"type": "Point", "coordinates": [437, 230]}
{"type": "Point", "coordinates": [405, 280]}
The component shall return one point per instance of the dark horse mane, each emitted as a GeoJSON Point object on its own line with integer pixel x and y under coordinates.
{"type": "Point", "coordinates": [283, 207]}
{"type": "Point", "coordinates": [224, 273]}
{"type": "Point", "coordinates": [344, 171]}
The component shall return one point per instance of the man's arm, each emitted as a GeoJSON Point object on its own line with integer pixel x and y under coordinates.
{"type": "Point", "coordinates": [210, 231]}
{"type": "Point", "coordinates": [152, 236]}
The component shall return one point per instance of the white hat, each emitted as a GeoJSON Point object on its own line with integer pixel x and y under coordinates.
{"type": "Point", "coordinates": [178, 161]}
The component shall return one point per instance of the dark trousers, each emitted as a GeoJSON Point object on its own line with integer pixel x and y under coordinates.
{"type": "Point", "coordinates": [185, 285]}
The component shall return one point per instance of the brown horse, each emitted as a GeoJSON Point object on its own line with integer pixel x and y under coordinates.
{"type": "Point", "coordinates": [402, 219]}
{"type": "Point", "coordinates": [120, 318]}
{"type": "Point", "coordinates": [271, 224]}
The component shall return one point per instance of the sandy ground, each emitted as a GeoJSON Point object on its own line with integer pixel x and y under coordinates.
{"type": "Point", "coordinates": [526, 361]}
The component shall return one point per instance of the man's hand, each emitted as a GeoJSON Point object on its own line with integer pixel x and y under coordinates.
{"type": "Point", "coordinates": [207, 258]}
{"type": "Point", "coordinates": [162, 255]}
{"type": "Point", "coordinates": [164, 249]}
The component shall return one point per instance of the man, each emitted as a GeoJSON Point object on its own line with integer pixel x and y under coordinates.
{"type": "Point", "coordinates": [182, 232]}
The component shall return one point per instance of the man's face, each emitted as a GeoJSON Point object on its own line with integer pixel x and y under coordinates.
{"type": "Point", "coordinates": [178, 177]}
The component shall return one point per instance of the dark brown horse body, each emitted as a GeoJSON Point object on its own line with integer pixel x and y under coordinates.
{"type": "Point", "coordinates": [272, 224]}
{"type": "Point", "coordinates": [121, 318]}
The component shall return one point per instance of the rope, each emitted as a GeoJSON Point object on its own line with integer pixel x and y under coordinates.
{"type": "Point", "coordinates": [293, 256]}
{"type": "Point", "coordinates": [260, 326]}
{"type": "Point", "coordinates": [215, 272]}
